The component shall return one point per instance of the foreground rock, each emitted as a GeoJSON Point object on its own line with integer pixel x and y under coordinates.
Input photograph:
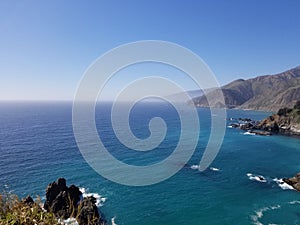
{"type": "Point", "coordinates": [66, 202]}
{"type": "Point", "coordinates": [294, 181]}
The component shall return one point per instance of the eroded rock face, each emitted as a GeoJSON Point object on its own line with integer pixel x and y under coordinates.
{"type": "Point", "coordinates": [286, 124]}
{"type": "Point", "coordinates": [88, 213]}
{"type": "Point", "coordinates": [294, 181]}
{"type": "Point", "coordinates": [67, 202]}
{"type": "Point", "coordinates": [53, 190]}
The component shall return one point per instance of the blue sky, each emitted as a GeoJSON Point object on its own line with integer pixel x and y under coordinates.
{"type": "Point", "coordinates": [45, 46]}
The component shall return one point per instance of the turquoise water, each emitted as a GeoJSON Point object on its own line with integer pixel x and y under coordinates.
{"type": "Point", "coordinates": [37, 146]}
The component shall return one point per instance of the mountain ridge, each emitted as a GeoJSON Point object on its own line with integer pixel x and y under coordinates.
{"type": "Point", "coordinates": [266, 92]}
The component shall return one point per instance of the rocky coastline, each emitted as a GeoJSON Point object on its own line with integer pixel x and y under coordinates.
{"type": "Point", "coordinates": [285, 122]}
{"type": "Point", "coordinates": [68, 202]}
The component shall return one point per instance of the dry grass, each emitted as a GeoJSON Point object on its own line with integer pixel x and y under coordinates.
{"type": "Point", "coordinates": [15, 212]}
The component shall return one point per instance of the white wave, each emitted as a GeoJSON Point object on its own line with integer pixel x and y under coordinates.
{"type": "Point", "coordinates": [214, 169]}
{"type": "Point", "coordinates": [282, 184]}
{"type": "Point", "coordinates": [69, 221]}
{"type": "Point", "coordinates": [249, 133]}
{"type": "Point", "coordinates": [99, 199]}
{"type": "Point", "coordinates": [195, 167]}
{"type": "Point", "coordinates": [230, 126]}
{"type": "Point", "coordinates": [258, 178]}
{"type": "Point", "coordinates": [294, 202]}
{"type": "Point", "coordinates": [113, 221]}
{"type": "Point", "coordinates": [260, 213]}
{"type": "Point", "coordinates": [275, 207]}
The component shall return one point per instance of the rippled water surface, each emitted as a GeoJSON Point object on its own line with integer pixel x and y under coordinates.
{"type": "Point", "coordinates": [37, 146]}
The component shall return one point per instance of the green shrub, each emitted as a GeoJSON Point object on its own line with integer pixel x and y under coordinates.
{"type": "Point", "coordinates": [284, 111]}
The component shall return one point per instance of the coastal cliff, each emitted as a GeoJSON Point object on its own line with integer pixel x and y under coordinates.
{"type": "Point", "coordinates": [286, 121]}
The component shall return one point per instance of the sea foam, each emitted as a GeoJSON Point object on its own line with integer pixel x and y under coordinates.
{"type": "Point", "coordinates": [282, 184]}
{"type": "Point", "coordinates": [214, 169]}
{"type": "Point", "coordinates": [113, 221]}
{"type": "Point", "coordinates": [99, 199]}
{"type": "Point", "coordinates": [260, 213]}
{"type": "Point", "coordinates": [196, 167]}
{"type": "Point", "coordinates": [258, 178]}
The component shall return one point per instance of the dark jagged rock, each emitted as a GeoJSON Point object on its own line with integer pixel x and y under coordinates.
{"type": "Point", "coordinates": [74, 194]}
{"type": "Point", "coordinates": [62, 200]}
{"type": "Point", "coordinates": [65, 202]}
{"type": "Point", "coordinates": [52, 191]}
{"type": "Point", "coordinates": [88, 213]}
{"type": "Point", "coordinates": [28, 201]}
{"type": "Point", "coordinates": [246, 126]}
{"type": "Point", "coordinates": [60, 206]}
{"type": "Point", "coordinates": [294, 181]}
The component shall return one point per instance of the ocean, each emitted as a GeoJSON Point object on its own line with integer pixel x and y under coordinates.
{"type": "Point", "coordinates": [37, 146]}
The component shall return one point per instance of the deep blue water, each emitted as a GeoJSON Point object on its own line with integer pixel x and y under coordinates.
{"type": "Point", "coordinates": [37, 146]}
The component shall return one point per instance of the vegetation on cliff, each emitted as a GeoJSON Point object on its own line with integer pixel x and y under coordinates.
{"type": "Point", "coordinates": [62, 202]}
{"type": "Point", "coordinates": [17, 212]}
{"type": "Point", "coordinates": [285, 121]}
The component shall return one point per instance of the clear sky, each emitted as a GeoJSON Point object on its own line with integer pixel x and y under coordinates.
{"type": "Point", "coordinates": [45, 46]}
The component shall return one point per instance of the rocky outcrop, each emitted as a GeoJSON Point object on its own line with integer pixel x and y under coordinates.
{"type": "Point", "coordinates": [286, 121]}
{"type": "Point", "coordinates": [294, 181]}
{"type": "Point", "coordinates": [62, 200]}
{"type": "Point", "coordinates": [88, 213]}
{"type": "Point", "coordinates": [67, 202]}
{"type": "Point", "coordinates": [252, 128]}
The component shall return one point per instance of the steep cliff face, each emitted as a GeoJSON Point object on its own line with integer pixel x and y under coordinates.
{"type": "Point", "coordinates": [270, 92]}
{"type": "Point", "coordinates": [286, 121]}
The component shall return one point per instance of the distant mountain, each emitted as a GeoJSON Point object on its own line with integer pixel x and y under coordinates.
{"type": "Point", "coordinates": [269, 92]}
{"type": "Point", "coordinates": [180, 97]}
